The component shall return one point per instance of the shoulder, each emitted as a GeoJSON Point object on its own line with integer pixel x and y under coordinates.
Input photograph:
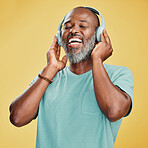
{"type": "Point", "coordinates": [115, 71]}
{"type": "Point", "coordinates": [116, 68]}
{"type": "Point", "coordinates": [60, 74]}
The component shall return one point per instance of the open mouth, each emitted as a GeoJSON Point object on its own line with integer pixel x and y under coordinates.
{"type": "Point", "coordinates": [74, 42]}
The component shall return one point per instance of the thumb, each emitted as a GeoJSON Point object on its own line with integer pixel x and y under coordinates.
{"type": "Point", "coordinates": [64, 59]}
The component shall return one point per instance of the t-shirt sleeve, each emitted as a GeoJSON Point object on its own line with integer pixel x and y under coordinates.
{"type": "Point", "coordinates": [32, 82]}
{"type": "Point", "coordinates": [123, 79]}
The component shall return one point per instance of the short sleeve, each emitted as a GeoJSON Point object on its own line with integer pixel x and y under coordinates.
{"type": "Point", "coordinates": [122, 77]}
{"type": "Point", "coordinates": [32, 82]}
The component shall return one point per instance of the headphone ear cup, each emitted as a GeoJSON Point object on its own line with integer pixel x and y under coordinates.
{"type": "Point", "coordinates": [98, 31]}
{"type": "Point", "coordinates": [58, 36]}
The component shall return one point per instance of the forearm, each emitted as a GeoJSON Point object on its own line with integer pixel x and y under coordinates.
{"type": "Point", "coordinates": [25, 107]}
{"type": "Point", "coordinates": [112, 101]}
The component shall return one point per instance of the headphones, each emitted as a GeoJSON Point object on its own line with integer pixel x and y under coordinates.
{"type": "Point", "coordinates": [98, 30]}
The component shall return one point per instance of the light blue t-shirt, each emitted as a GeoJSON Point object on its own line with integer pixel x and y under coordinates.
{"type": "Point", "coordinates": [69, 116]}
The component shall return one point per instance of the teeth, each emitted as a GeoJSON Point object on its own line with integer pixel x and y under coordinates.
{"type": "Point", "coordinates": [74, 43]}
{"type": "Point", "coordinates": [75, 40]}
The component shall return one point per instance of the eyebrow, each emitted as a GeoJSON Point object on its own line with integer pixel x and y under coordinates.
{"type": "Point", "coordinates": [79, 20]}
{"type": "Point", "coordinates": [84, 21]}
{"type": "Point", "coordinates": [67, 22]}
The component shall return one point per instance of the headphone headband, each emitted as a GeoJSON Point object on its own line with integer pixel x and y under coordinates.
{"type": "Point", "coordinates": [93, 10]}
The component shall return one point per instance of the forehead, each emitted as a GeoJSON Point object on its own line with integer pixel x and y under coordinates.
{"type": "Point", "coordinates": [81, 14]}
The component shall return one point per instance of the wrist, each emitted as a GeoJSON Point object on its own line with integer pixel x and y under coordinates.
{"type": "Point", "coordinates": [49, 72]}
{"type": "Point", "coordinates": [97, 59]}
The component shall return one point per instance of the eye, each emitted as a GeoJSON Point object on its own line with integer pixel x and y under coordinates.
{"type": "Point", "coordinates": [83, 26]}
{"type": "Point", "coordinates": [68, 27]}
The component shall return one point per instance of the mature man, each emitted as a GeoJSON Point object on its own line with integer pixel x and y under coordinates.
{"type": "Point", "coordinates": [85, 103]}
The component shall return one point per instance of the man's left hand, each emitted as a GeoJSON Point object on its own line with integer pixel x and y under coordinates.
{"type": "Point", "coordinates": [103, 49]}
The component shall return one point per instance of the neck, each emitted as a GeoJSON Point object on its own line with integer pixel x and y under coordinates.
{"type": "Point", "coordinates": [81, 67]}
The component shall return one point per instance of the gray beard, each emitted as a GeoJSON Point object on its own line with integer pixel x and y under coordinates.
{"type": "Point", "coordinates": [85, 52]}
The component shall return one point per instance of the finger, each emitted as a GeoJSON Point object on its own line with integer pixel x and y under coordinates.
{"type": "Point", "coordinates": [64, 59]}
{"type": "Point", "coordinates": [47, 57]}
{"type": "Point", "coordinates": [106, 36]}
{"type": "Point", "coordinates": [102, 38]}
{"type": "Point", "coordinates": [58, 50]}
{"type": "Point", "coordinates": [54, 43]}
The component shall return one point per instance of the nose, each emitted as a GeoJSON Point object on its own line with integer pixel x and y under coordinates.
{"type": "Point", "coordinates": [74, 30]}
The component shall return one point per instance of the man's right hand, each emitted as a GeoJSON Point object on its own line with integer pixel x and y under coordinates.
{"type": "Point", "coordinates": [53, 56]}
{"type": "Point", "coordinates": [25, 107]}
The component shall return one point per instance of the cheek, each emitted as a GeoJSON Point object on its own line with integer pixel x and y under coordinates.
{"type": "Point", "coordinates": [87, 37]}
{"type": "Point", "coordinates": [88, 34]}
{"type": "Point", "coordinates": [64, 35]}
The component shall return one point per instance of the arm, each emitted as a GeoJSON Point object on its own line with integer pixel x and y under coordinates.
{"type": "Point", "coordinates": [25, 107]}
{"type": "Point", "coordinates": [113, 102]}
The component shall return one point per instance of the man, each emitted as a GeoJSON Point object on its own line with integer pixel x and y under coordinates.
{"type": "Point", "coordinates": [85, 103]}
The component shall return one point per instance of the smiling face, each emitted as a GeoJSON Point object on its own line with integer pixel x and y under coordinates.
{"type": "Point", "coordinates": [78, 33]}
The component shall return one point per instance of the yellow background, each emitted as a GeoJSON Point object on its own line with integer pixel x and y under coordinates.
{"type": "Point", "coordinates": [26, 31]}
